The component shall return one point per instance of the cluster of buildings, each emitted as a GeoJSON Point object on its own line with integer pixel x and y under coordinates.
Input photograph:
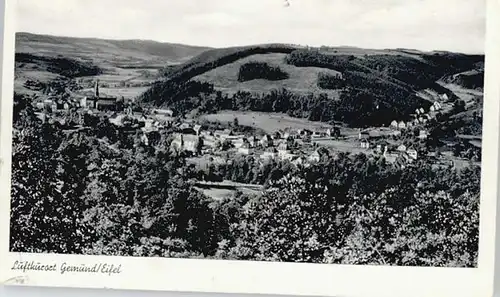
{"type": "Point", "coordinates": [420, 117]}
{"type": "Point", "coordinates": [96, 102]}
{"type": "Point", "coordinates": [281, 145]}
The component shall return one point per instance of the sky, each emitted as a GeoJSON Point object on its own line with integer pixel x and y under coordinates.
{"type": "Point", "coordinates": [452, 25]}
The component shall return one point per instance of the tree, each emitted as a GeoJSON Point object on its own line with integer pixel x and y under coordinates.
{"type": "Point", "coordinates": [295, 220]}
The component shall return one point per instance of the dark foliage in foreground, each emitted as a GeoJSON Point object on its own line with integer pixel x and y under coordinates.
{"type": "Point", "coordinates": [100, 191]}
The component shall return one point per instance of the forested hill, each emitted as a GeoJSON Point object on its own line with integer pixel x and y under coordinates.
{"type": "Point", "coordinates": [358, 87]}
{"type": "Point", "coordinates": [117, 53]}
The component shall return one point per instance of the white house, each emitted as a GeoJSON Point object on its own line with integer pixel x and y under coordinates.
{"type": "Point", "coordinates": [166, 112]}
{"type": "Point", "coordinates": [314, 157]}
{"type": "Point", "coordinates": [365, 144]}
{"type": "Point", "coordinates": [401, 148]}
{"type": "Point", "coordinates": [394, 124]}
{"type": "Point", "coordinates": [245, 149]}
{"type": "Point", "coordinates": [283, 149]}
{"type": "Point", "coordinates": [422, 134]}
{"type": "Point", "coordinates": [412, 154]}
{"type": "Point", "coordinates": [269, 154]}
{"type": "Point", "coordinates": [402, 125]}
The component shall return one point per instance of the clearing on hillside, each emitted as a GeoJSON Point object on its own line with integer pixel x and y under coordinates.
{"type": "Point", "coordinates": [301, 80]}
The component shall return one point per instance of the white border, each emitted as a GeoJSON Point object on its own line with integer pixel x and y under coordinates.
{"type": "Point", "coordinates": [271, 278]}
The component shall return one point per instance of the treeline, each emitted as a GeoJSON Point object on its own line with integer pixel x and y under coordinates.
{"type": "Point", "coordinates": [214, 58]}
{"type": "Point", "coordinates": [356, 107]}
{"type": "Point", "coordinates": [260, 70]}
{"type": "Point", "coordinates": [469, 80]}
{"type": "Point", "coordinates": [104, 192]}
{"type": "Point", "coordinates": [63, 66]}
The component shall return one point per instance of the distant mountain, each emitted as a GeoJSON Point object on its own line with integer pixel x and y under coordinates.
{"type": "Point", "coordinates": [118, 53]}
{"type": "Point", "coordinates": [352, 85]}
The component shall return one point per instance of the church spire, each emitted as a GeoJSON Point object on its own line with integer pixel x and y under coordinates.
{"type": "Point", "coordinates": [97, 88]}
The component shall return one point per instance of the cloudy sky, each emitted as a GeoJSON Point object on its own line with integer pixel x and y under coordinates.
{"type": "Point", "coordinates": [455, 25]}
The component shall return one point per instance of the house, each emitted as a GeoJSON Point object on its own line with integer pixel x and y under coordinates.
{"type": "Point", "coordinates": [283, 149]}
{"type": "Point", "coordinates": [417, 111]}
{"type": "Point", "coordinates": [333, 132]}
{"type": "Point", "coordinates": [245, 149]}
{"type": "Point", "coordinates": [270, 153]}
{"type": "Point", "coordinates": [437, 105]}
{"type": "Point", "coordinates": [422, 134]}
{"type": "Point", "coordinates": [409, 124]}
{"type": "Point", "coordinates": [107, 103]}
{"type": "Point", "coordinates": [314, 157]}
{"type": "Point", "coordinates": [253, 141]}
{"type": "Point", "coordinates": [297, 161]}
{"type": "Point", "coordinates": [237, 143]}
{"type": "Point", "coordinates": [432, 108]}
{"type": "Point", "coordinates": [416, 121]}
{"type": "Point", "coordinates": [266, 141]}
{"type": "Point", "coordinates": [287, 156]}
{"type": "Point", "coordinates": [306, 138]}
{"type": "Point", "coordinates": [396, 133]}
{"type": "Point", "coordinates": [402, 125]}
{"type": "Point", "coordinates": [276, 135]}
{"type": "Point", "coordinates": [319, 134]}
{"type": "Point", "coordinates": [421, 120]}
{"type": "Point", "coordinates": [197, 129]}
{"type": "Point", "coordinates": [390, 157]}
{"type": "Point", "coordinates": [412, 154]}
{"type": "Point", "coordinates": [427, 117]}
{"type": "Point", "coordinates": [445, 97]}
{"type": "Point", "coordinates": [363, 135]}
{"type": "Point", "coordinates": [189, 143]}
{"type": "Point", "coordinates": [148, 123]}
{"type": "Point", "coordinates": [401, 148]}
{"type": "Point", "coordinates": [422, 111]}
{"type": "Point", "coordinates": [381, 149]}
{"type": "Point", "coordinates": [394, 124]}
{"type": "Point", "coordinates": [165, 112]}
{"type": "Point", "coordinates": [184, 126]}
{"type": "Point", "coordinates": [144, 139]}
{"type": "Point", "coordinates": [365, 144]}
{"type": "Point", "coordinates": [304, 132]}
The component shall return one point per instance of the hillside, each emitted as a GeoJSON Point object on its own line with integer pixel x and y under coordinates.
{"type": "Point", "coordinates": [118, 53]}
{"type": "Point", "coordinates": [124, 67]}
{"type": "Point", "coordinates": [355, 86]}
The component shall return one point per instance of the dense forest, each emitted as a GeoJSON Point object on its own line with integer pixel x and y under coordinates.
{"type": "Point", "coordinates": [101, 191]}
{"type": "Point", "coordinates": [63, 66]}
{"type": "Point", "coordinates": [260, 70]}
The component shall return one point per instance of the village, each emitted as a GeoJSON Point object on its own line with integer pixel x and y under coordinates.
{"type": "Point", "coordinates": [401, 143]}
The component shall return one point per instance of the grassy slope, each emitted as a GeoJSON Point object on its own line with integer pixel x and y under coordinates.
{"type": "Point", "coordinates": [133, 61]}
{"type": "Point", "coordinates": [302, 80]}
{"type": "Point", "coordinates": [117, 53]}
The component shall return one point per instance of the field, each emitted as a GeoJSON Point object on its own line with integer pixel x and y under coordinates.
{"type": "Point", "coordinates": [128, 66]}
{"type": "Point", "coordinates": [269, 122]}
{"type": "Point", "coordinates": [301, 80]}
{"type": "Point", "coordinates": [116, 53]}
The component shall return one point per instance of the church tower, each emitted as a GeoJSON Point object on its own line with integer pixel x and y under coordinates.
{"type": "Point", "coordinates": [97, 89]}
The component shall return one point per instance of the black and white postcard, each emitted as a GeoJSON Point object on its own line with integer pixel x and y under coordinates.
{"type": "Point", "coordinates": [301, 147]}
